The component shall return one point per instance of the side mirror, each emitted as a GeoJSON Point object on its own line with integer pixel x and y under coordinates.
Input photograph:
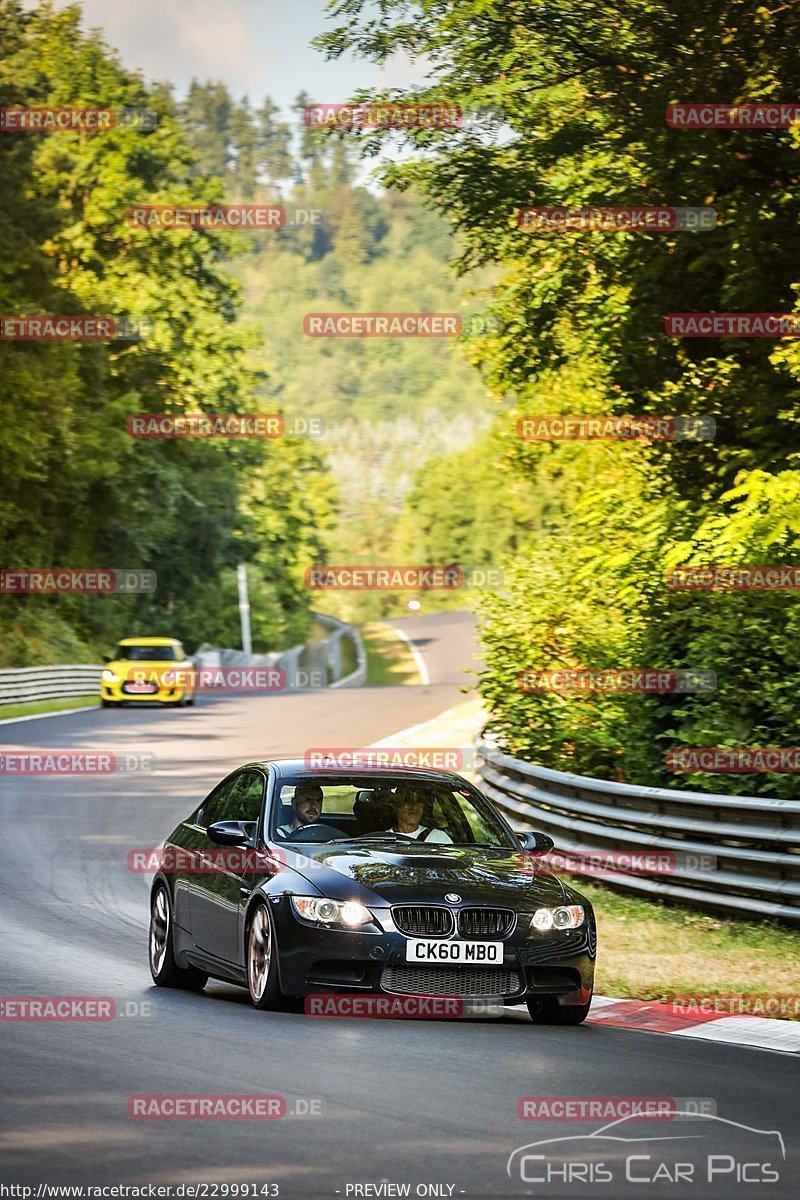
{"type": "Point", "coordinates": [536, 842]}
{"type": "Point", "coordinates": [227, 833]}
{"type": "Point", "coordinates": [107, 658]}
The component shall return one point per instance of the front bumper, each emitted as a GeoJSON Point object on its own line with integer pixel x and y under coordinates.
{"type": "Point", "coordinates": [313, 959]}
{"type": "Point", "coordinates": [113, 692]}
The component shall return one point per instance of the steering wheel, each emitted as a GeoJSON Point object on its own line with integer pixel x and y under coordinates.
{"type": "Point", "coordinates": [314, 830]}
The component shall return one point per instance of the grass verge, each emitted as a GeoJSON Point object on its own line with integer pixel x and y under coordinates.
{"type": "Point", "coordinates": [650, 951]}
{"type": "Point", "coordinates": [389, 660]}
{"type": "Point", "coordinates": [47, 706]}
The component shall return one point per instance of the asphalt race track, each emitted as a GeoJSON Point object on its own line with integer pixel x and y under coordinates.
{"type": "Point", "coordinates": [392, 1102]}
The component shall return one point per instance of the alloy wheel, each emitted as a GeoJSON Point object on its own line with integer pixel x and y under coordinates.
{"type": "Point", "coordinates": [259, 953]}
{"type": "Point", "coordinates": [159, 930]}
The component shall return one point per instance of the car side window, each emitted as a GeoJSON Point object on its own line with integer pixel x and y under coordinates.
{"type": "Point", "coordinates": [241, 801]}
{"type": "Point", "coordinates": [211, 807]}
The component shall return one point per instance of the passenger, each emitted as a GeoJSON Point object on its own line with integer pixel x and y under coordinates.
{"type": "Point", "coordinates": [408, 816]}
{"type": "Point", "coordinates": [306, 807]}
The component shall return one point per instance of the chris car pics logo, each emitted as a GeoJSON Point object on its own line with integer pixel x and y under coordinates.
{"type": "Point", "coordinates": [698, 1150]}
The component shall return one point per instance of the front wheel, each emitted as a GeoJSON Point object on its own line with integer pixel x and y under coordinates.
{"type": "Point", "coordinates": [262, 961]}
{"type": "Point", "coordinates": [547, 1011]}
{"type": "Point", "coordinates": [163, 968]}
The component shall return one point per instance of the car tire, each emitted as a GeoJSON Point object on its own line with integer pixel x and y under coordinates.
{"type": "Point", "coordinates": [189, 701]}
{"type": "Point", "coordinates": [163, 968]}
{"type": "Point", "coordinates": [547, 1011]}
{"type": "Point", "coordinates": [106, 703]}
{"type": "Point", "coordinates": [261, 960]}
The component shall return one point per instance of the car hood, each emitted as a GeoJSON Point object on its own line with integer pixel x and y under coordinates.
{"type": "Point", "coordinates": [121, 666]}
{"type": "Point", "coordinates": [420, 874]}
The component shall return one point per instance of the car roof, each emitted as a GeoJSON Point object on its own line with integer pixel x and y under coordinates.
{"type": "Point", "coordinates": [149, 641]}
{"type": "Point", "coordinates": [294, 767]}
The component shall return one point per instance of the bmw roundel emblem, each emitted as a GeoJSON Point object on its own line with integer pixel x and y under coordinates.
{"type": "Point", "coordinates": [452, 898]}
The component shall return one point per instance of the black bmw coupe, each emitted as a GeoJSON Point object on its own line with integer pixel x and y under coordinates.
{"type": "Point", "coordinates": [293, 882]}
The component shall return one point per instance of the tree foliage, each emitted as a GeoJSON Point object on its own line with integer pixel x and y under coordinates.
{"type": "Point", "coordinates": [582, 91]}
{"type": "Point", "coordinates": [78, 491]}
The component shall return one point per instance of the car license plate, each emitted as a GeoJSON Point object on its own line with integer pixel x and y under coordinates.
{"type": "Point", "coordinates": [140, 687]}
{"type": "Point", "coordinates": [419, 950]}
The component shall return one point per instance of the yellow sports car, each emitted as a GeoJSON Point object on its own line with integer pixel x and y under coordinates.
{"type": "Point", "coordinates": [148, 668]}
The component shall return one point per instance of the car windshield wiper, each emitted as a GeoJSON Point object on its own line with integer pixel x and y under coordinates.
{"type": "Point", "coordinates": [379, 837]}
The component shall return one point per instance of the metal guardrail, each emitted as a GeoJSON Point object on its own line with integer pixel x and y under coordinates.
{"type": "Point", "coordinates": [27, 685]}
{"type": "Point", "coordinates": [286, 660]}
{"type": "Point", "coordinates": [358, 677]}
{"type": "Point", "coordinates": [753, 842]}
{"type": "Point", "coordinates": [315, 664]}
{"type": "Point", "coordinates": [333, 651]}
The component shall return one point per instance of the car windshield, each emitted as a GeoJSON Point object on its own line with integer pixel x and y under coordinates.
{"type": "Point", "coordinates": [146, 653]}
{"type": "Point", "coordinates": [386, 809]}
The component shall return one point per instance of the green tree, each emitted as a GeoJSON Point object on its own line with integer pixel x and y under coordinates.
{"type": "Point", "coordinates": [583, 92]}
{"type": "Point", "coordinates": [273, 140]}
{"type": "Point", "coordinates": [208, 114]}
{"type": "Point", "coordinates": [80, 491]}
{"type": "Point", "coordinates": [244, 143]}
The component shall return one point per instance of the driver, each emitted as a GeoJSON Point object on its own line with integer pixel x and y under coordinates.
{"type": "Point", "coordinates": [306, 807]}
{"type": "Point", "coordinates": [408, 816]}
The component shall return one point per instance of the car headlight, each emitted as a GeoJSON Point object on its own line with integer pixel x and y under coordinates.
{"type": "Point", "coordinates": [348, 914]}
{"type": "Point", "coordinates": [569, 917]}
{"type": "Point", "coordinates": [110, 677]}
